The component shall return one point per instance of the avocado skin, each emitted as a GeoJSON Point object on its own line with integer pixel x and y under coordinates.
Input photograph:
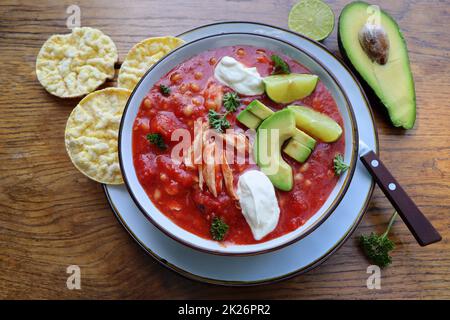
{"type": "Point", "coordinates": [375, 99]}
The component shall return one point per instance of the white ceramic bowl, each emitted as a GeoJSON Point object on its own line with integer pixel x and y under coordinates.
{"type": "Point", "coordinates": [184, 53]}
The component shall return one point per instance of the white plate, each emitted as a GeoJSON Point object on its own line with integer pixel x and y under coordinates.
{"type": "Point", "coordinates": [296, 258]}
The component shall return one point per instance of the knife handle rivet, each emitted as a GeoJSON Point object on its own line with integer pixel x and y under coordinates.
{"type": "Point", "coordinates": [392, 186]}
{"type": "Point", "coordinates": [374, 163]}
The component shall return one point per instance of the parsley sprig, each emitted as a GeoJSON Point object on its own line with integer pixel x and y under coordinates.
{"type": "Point", "coordinates": [339, 165]}
{"type": "Point", "coordinates": [157, 140]}
{"type": "Point", "coordinates": [218, 229]}
{"type": "Point", "coordinates": [218, 121]}
{"type": "Point", "coordinates": [377, 247]}
{"type": "Point", "coordinates": [231, 101]}
{"type": "Point", "coordinates": [279, 65]}
{"type": "Point", "coordinates": [165, 90]}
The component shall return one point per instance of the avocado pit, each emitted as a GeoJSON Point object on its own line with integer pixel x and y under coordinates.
{"type": "Point", "coordinates": [375, 42]}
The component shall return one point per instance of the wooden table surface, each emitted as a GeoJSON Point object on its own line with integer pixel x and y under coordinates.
{"type": "Point", "coordinates": [51, 216]}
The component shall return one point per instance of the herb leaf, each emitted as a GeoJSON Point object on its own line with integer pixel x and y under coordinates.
{"type": "Point", "coordinates": [218, 229]}
{"type": "Point", "coordinates": [377, 247]}
{"type": "Point", "coordinates": [218, 121]}
{"type": "Point", "coordinates": [231, 101]}
{"type": "Point", "coordinates": [339, 165]}
{"type": "Point", "coordinates": [279, 65]}
{"type": "Point", "coordinates": [157, 140]}
{"type": "Point", "coordinates": [165, 90]}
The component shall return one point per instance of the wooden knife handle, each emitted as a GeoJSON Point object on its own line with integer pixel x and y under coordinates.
{"type": "Point", "coordinates": [417, 223]}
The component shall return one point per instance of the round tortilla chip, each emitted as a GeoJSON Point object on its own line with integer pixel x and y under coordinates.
{"type": "Point", "coordinates": [142, 56]}
{"type": "Point", "coordinates": [72, 65]}
{"type": "Point", "coordinates": [92, 133]}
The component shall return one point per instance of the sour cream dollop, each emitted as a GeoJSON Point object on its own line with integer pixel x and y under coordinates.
{"type": "Point", "coordinates": [243, 80]}
{"type": "Point", "coordinates": [258, 203]}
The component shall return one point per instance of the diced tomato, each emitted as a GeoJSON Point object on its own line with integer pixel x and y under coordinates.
{"type": "Point", "coordinates": [208, 203]}
{"type": "Point", "coordinates": [165, 123]}
{"type": "Point", "coordinates": [262, 59]}
{"type": "Point", "coordinates": [174, 171]}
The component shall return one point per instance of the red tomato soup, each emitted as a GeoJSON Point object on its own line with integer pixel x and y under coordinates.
{"type": "Point", "coordinates": [174, 187]}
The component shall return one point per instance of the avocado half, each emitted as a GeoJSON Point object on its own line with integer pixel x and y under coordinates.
{"type": "Point", "coordinates": [392, 82]}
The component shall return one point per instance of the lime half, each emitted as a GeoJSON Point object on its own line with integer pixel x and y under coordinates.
{"type": "Point", "coordinates": [312, 18]}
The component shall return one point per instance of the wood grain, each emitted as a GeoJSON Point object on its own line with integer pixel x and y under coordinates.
{"type": "Point", "coordinates": [51, 216]}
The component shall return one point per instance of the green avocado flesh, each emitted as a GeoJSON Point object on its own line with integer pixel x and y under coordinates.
{"type": "Point", "coordinates": [259, 109]}
{"type": "Point", "coordinates": [392, 82]}
{"type": "Point", "coordinates": [271, 135]}
{"type": "Point", "coordinates": [304, 139]}
{"type": "Point", "coordinates": [256, 112]}
{"type": "Point", "coordinates": [316, 124]}
{"type": "Point", "coordinates": [249, 119]}
{"type": "Point", "coordinates": [300, 146]}
{"type": "Point", "coordinates": [297, 151]}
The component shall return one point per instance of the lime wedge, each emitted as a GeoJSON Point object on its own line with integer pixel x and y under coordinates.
{"type": "Point", "coordinates": [286, 88]}
{"type": "Point", "coordinates": [312, 18]}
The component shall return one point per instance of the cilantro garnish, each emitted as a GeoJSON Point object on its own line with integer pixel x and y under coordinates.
{"type": "Point", "coordinates": [218, 229]}
{"type": "Point", "coordinates": [279, 65]}
{"type": "Point", "coordinates": [218, 121]}
{"type": "Point", "coordinates": [165, 90]}
{"type": "Point", "coordinates": [157, 140]}
{"type": "Point", "coordinates": [231, 101]}
{"type": "Point", "coordinates": [339, 165]}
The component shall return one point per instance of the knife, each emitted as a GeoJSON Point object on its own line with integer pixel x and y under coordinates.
{"type": "Point", "coordinates": [415, 220]}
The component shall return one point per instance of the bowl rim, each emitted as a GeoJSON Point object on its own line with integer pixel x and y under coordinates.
{"type": "Point", "coordinates": [315, 225]}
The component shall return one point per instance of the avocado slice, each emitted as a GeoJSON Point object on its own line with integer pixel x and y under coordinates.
{"type": "Point", "coordinates": [300, 146]}
{"type": "Point", "coordinates": [256, 112]}
{"type": "Point", "coordinates": [271, 135]}
{"type": "Point", "coordinates": [391, 82]}
{"type": "Point", "coordinates": [248, 119]}
{"type": "Point", "coordinates": [297, 150]}
{"type": "Point", "coordinates": [304, 139]}
{"type": "Point", "coordinates": [259, 109]}
{"type": "Point", "coordinates": [317, 124]}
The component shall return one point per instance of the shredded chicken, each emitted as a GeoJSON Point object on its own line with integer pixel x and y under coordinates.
{"type": "Point", "coordinates": [207, 156]}
{"type": "Point", "coordinates": [242, 144]}
{"type": "Point", "coordinates": [228, 177]}
{"type": "Point", "coordinates": [200, 176]}
{"type": "Point", "coordinates": [209, 168]}
{"type": "Point", "coordinates": [189, 157]}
